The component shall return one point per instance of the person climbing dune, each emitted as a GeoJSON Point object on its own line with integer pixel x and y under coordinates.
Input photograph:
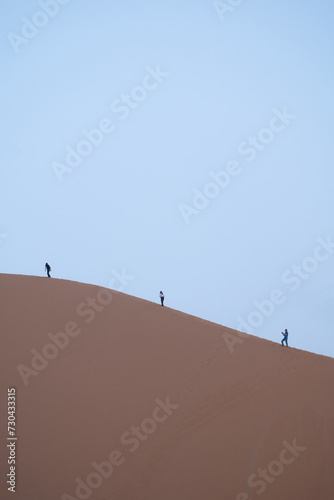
{"type": "Point", "coordinates": [48, 269]}
{"type": "Point", "coordinates": [285, 337]}
{"type": "Point", "coordinates": [162, 297]}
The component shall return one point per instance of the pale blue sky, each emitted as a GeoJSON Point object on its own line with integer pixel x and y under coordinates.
{"type": "Point", "coordinates": [222, 82]}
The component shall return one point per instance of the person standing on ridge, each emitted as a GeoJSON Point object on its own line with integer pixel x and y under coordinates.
{"type": "Point", "coordinates": [48, 269]}
{"type": "Point", "coordinates": [285, 337]}
{"type": "Point", "coordinates": [162, 297]}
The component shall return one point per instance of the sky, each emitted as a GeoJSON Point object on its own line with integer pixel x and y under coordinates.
{"type": "Point", "coordinates": [177, 146]}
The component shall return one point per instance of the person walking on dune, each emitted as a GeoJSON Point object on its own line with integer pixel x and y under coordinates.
{"type": "Point", "coordinates": [48, 269]}
{"type": "Point", "coordinates": [285, 337]}
{"type": "Point", "coordinates": [162, 297]}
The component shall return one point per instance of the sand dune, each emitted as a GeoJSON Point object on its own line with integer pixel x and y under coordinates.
{"type": "Point", "coordinates": [118, 398]}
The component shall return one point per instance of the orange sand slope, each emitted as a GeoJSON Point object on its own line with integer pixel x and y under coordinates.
{"type": "Point", "coordinates": [118, 398]}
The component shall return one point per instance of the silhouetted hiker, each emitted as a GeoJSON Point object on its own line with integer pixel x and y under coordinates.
{"type": "Point", "coordinates": [48, 269]}
{"type": "Point", "coordinates": [285, 337]}
{"type": "Point", "coordinates": [162, 297]}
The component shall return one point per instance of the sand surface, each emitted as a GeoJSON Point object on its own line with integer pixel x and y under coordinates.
{"type": "Point", "coordinates": [142, 402]}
